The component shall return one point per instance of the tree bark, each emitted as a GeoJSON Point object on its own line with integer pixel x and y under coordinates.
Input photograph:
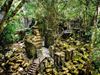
{"type": "Point", "coordinates": [4, 11]}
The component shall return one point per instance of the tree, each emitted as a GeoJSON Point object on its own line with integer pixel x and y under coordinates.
{"type": "Point", "coordinates": [5, 8]}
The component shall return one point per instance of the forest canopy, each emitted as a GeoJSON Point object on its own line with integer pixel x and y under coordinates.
{"type": "Point", "coordinates": [49, 37]}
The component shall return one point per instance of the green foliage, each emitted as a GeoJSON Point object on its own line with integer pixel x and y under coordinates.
{"type": "Point", "coordinates": [96, 60]}
{"type": "Point", "coordinates": [9, 34]}
{"type": "Point", "coordinates": [96, 38]}
{"type": "Point", "coordinates": [96, 49]}
{"type": "Point", "coordinates": [1, 2]}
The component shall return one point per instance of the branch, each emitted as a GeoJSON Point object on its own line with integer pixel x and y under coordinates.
{"type": "Point", "coordinates": [15, 11]}
{"type": "Point", "coordinates": [6, 6]}
{"type": "Point", "coordinates": [7, 19]}
{"type": "Point", "coordinates": [4, 10]}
